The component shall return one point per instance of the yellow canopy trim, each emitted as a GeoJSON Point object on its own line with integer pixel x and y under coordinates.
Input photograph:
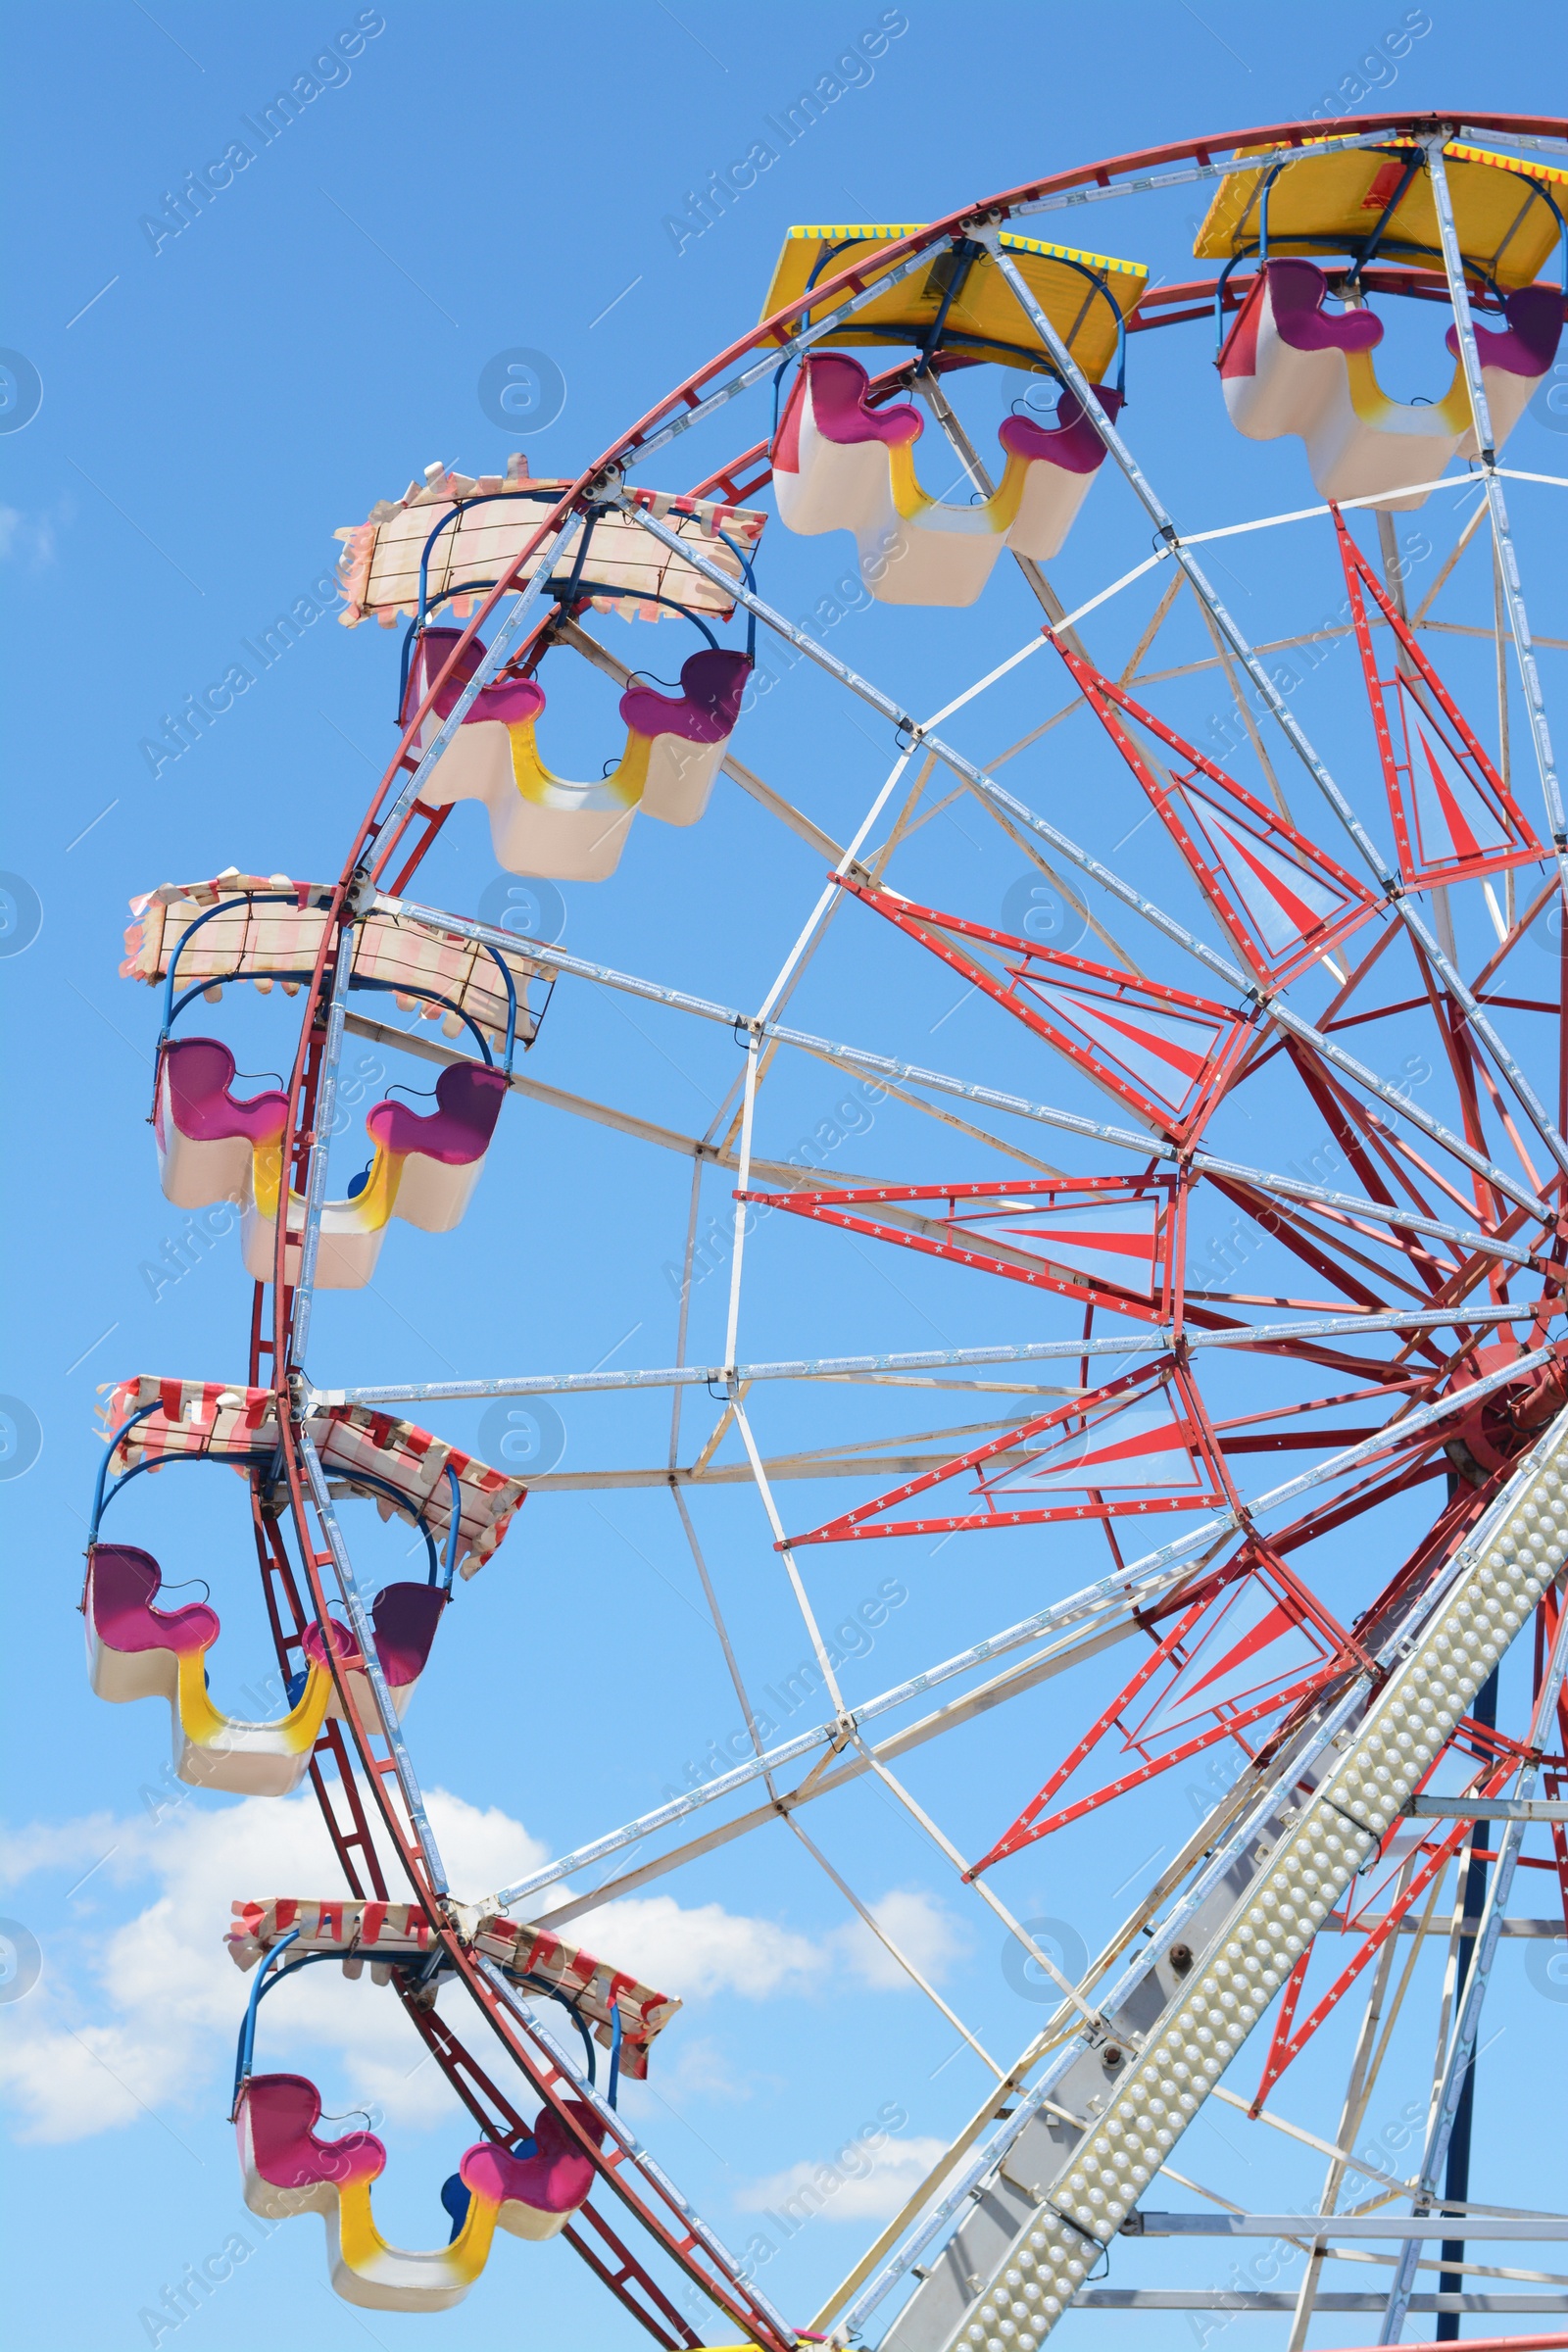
{"type": "Point", "coordinates": [984, 321]}
{"type": "Point", "coordinates": [1328, 203]}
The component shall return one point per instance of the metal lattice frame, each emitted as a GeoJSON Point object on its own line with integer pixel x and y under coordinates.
{"type": "Point", "coordinates": [1003, 2232]}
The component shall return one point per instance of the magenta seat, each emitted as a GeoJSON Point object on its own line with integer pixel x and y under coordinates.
{"type": "Point", "coordinates": [1528, 343]}
{"type": "Point", "coordinates": [839, 387]}
{"type": "Point", "coordinates": [136, 1651]}
{"type": "Point", "coordinates": [283, 2112]}
{"type": "Point", "coordinates": [839, 463]}
{"type": "Point", "coordinates": [430, 653]}
{"type": "Point", "coordinates": [405, 1618]}
{"type": "Point", "coordinates": [1298, 289]}
{"type": "Point", "coordinates": [555, 2178]}
{"type": "Point", "coordinates": [344, 1646]}
{"type": "Point", "coordinates": [1071, 442]}
{"type": "Point", "coordinates": [711, 685]}
{"type": "Point", "coordinates": [509, 700]}
{"type": "Point", "coordinates": [124, 1583]}
{"type": "Point", "coordinates": [1287, 367]}
{"type": "Point", "coordinates": [201, 1074]}
{"type": "Point", "coordinates": [457, 1131]}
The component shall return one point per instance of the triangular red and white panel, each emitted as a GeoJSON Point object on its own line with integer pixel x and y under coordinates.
{"type": "Point", "coordinates": [1287, 900]}
{"type": "Point", "coordinates": [1454, 822]}
{"type": "Point", "coordinates": [1111, 1240]}
{"type": "Point", "coordinates": [1163, 1053]}
{"type": "Point", "coordinates": [1146, 1445]}
{"type": "Point", "coordinates": [1282, 900]}
{"type": "Point", "coordinates": [1101, 1238]}
{"type": "Point", "coordinates": [1452, 813]}
{"type": "Point", "coordinates": [1252, 1643]}
{"type": "Point", "coordinates": [1166, 1053]}
{"type": "Point", "coordinates": [1175, 1704]}
{"type": "Point", "coordinates": [1136, 1446]}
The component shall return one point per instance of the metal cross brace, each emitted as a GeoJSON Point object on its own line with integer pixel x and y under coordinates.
{"type": "Point", "coordinates": [1129, 1139]}
{"type": "Point", "coordinates": [1129, 1587]}
{"type": "Point", "coordinates": [1273, 1005]}
{"type": "Point", "coordinates": [1295, 734]}
{"type": "Point", "coordinates": [842, 1368]}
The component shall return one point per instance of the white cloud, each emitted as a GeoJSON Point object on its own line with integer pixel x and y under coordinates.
{"type": "Point", "coordinates": [922, 1929]}
{"type": "Point", "coordinates": [694, 2067]}
{"type": "Point", "coordinates": [709, 1950]}
{"type": "Point", "coordinates": [65, 2082]}
{"type": "Point", "coordinates": [57, 1844]}
{"type": "Point", "coordinates": [855, 2183]}
{"type": "Point", "coordinates": [139, 2012]}
{"type": "Point", "coordinates": [143, 2014]}
{"type": "Point", "coordinates": [23, 537]}
{"type": "Point", "coordinates": [703, 1951]}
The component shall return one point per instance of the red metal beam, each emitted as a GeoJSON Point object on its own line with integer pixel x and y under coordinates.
{"type": "Point", "coordinates": [1013, 1836]}
{"type": "Point", "coordinates": [1484, 2343]}
{"type": "Point", "coordinates": [934, 929]}
{"type": "Point", "coordinates": [1047, 1275]}
{"type": "Point", "coordinates": [850, 1526]}
{"type": "Point", "coordinates": [1361, 581]}
{"type": "Point", "coordinates": [1226, 1729]}
{"type": "Point", "coordinates": [1109, 702]}
{"type": "Point", "coordinates": [640, 2189]}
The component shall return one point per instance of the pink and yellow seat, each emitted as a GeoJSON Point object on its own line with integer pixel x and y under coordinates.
{"type": "Point", "coordinates": [287, 2169]}
{"type": "Point", "coordinates": [214, 1146]}
{"type": "Point", "coordinates": [1289, 367]}
{"type": "Point", "coordinates": [840, 463]}
{"type": "Point", "coordinates": [542, 823]}
{"type": "Point", "coordinates": [138, 1650]}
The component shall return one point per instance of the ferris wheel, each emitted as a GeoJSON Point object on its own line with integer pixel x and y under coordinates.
{"type": "Point", "coordinates": [1265, 1105]}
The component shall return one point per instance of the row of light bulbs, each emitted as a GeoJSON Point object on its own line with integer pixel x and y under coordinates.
{"type": "Point", "coordinates": [1343, 1822]}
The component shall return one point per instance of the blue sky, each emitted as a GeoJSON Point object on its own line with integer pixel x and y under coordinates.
{"type": "Point", "coordinates": [213, 404]}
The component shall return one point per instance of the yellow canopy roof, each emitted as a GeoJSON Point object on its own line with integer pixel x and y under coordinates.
{"type": "Point", "coordinates": [1329, 203]}
{"type": "Point", "coordinates": [985, 320]}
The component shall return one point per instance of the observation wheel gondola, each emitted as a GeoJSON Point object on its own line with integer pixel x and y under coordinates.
{"type": "Point", "coordinates": [1312, 1103]}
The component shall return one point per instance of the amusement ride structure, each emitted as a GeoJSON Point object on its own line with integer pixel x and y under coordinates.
{"type": "Point", "coordinates": [1281, 932]}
